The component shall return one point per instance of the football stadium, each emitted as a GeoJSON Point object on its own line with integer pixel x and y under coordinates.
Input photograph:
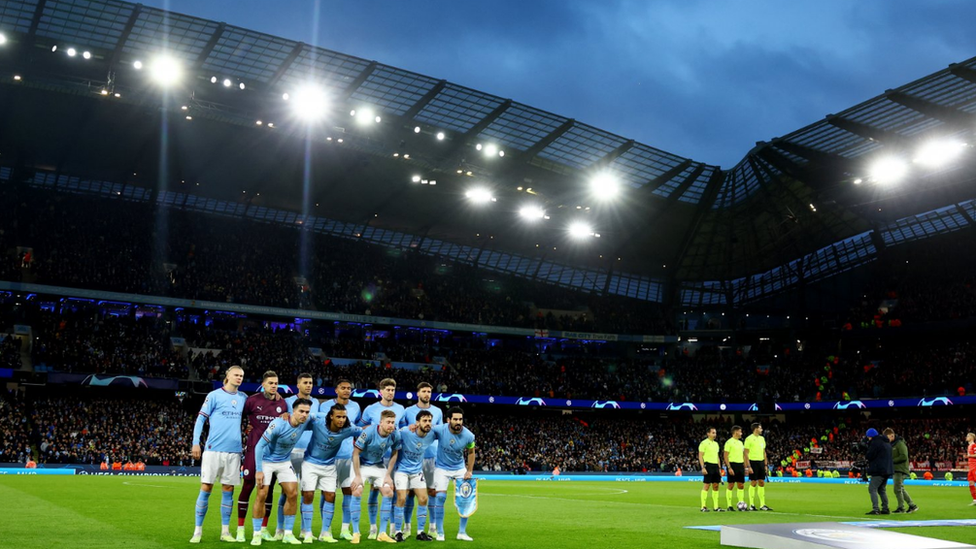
{"type": "Point", "coordinates": [261, 292]}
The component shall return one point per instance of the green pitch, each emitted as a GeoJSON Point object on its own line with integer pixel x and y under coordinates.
{"type": "Point", "coordinates": [150, 512]}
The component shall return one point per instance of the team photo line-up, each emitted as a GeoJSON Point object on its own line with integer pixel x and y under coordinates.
{"type": "Point", "coordinates": [407, 456]}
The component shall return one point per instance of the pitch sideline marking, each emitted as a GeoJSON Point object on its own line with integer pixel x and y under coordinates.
{"type": "Point", "coordinates": [127, 483]}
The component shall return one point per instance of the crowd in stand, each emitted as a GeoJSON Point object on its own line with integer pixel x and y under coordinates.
{"type": "Point", "coordinates": [14, 431]}
{"type": "Point", "coordinates": [93, 431]}
{"type": "Point", "coordinates": [9, 352]}
{"type": "Point", "coordinates": [111, 244]}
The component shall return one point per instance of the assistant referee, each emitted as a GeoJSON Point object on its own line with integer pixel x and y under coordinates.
{"type": "Point", "coordinates": [708, 460]}
{"type": "Point", "coordinates": [735, 465]}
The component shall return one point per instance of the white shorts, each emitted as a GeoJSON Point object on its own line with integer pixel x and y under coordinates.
{"type": "Point", "coordinates": [409, 481]}
{"type": "Point", "coordinates": [223, 465]}
{"type": "Point", "coordinates": [344, 472]}
{"type": "Point", "coordinates": [443, 476]}
{"type": "Point", "coordinates": [285, 471]}
{"type": "Point", "coordinates": [297, 459]}
{"type": "Point", "coordinates": [429, 472]}
{"type": "Point", "coordinates": [318, 477]}
{"type": "Point", "coordinates": [373, 475]}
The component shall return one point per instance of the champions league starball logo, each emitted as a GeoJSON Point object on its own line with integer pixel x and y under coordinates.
{"type": "Point", "coordinates": [606, 404]}
{"type": "Point", "coordinates": [364, 393]}
{"type": "Point", "coordinates": [444, 397]}
{"type": "Point", "coordinates": [937, 401]}
{"type": "Point", "coordinates": [676, 406]}
{"type": "Point", "coordinates": [523, 401]}
{"type": "Point", "coordinates": [826, 534]}
{"type": "Point", "coordinates": [755, 408]}
{"type": "Point", "coordinates": [847, 405]}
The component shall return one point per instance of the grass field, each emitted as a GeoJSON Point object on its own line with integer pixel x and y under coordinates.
{"type": "Point", "coordinates": [153, 512]}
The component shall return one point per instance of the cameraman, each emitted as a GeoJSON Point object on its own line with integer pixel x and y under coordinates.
{"type": "Point", "coordinates": [880, 469]}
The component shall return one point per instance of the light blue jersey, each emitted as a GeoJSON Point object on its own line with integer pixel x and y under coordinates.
{"type": "Point", "coordinates": [413, 447]}
{"type": "Point", "coordinates": [224, 411]}
{"type": "Point", "coordinates": [410, 417]}
{"type": "Point", "coordinates": [278, 441]}
{"type": "Point", "coordinates": [325, 444]}
{"type": "Point", "coordinates": [302, 442]}
{"type": "Point", "coordinates": [353, 412]}
{"type": "Point", "coordinates": [372, 446]}
{"type": "Point", "coordinates": [371, 415]}
{"type": "Point", "coordinates": [450, 451]}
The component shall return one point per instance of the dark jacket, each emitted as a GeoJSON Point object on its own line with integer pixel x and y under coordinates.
{"type": "Point", "coordinates": [899, 455]}
{"type": "Point", "coordinates": [879, 457]}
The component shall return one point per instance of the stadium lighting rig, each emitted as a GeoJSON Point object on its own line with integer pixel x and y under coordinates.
{"type": "Point", "coordinates": [890, 169]}
{"type": "Point", "coordinates": [580, 230]}
{"type": "Point", "coordinates": [3, 38]}
{"type": "Point", "coordinates": [605, 186]}
{"type": "Point", "coordinates": [532, 213]}
{"type": "Point", "coordinates": [490, 150]}
{"type": "Point", "coordinates": [480, 196]}
{"type": "Point", "coordinates": [308, 103]}
{"type": "Point", "coordinates": [165, 71]}
{"type": "Point", "coordinates": [365, 116]}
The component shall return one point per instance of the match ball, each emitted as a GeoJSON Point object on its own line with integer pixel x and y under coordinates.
{"type": "Point", "coordinates": [742, 506]}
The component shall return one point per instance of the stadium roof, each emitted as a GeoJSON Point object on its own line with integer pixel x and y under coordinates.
{"type": "Point", "coordinates": [98, 117]}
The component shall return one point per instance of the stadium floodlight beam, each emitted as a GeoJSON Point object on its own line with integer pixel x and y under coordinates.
{"type": "Point", "coordinates": [137, 65]}
{"type": "Point", "coordinates": [72, 52]}
{"type": "Point", "coordinates": [580, 230]}
{"type": "Point", "coordinates": [440, 136]}
{"type": "Point", "coordinates": [490, 150]}
{"type": "Point", "coordinates": [888, 169]}
{"type": "Point", "coordinates": [531, 212]}
{"type": "Point", "coordinates": [605, 186]}
{"type": "Point", "coordinates": [227, 82]}
{"type": "Point", "coordinates": [165, 70]}
{"type": "Point", "coordinates": [480, 196]}
{"type": "Point", "coordinates": [309, 103]}
{"type": "Point", "coordinates": [939, 152]}
{"type": "Point", "coordinates": [3, 38]}
{"type": "Point", "coordinates": [86, 54]}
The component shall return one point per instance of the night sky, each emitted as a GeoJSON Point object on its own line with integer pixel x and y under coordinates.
{"type": "Point", "coordinates": [702, 79]}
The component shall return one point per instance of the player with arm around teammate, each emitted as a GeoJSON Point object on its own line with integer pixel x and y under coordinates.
{"type": "Point", "coordinates": [367, 465]}
{"type": "Point", "coordinates": [343, 463]}
{"type": "Point", "coordinates": [329, 433]}
{"type": "Point", "coordinates": [424, 392]}
{"type": "Point", "coordinates": [304, 384]}
{"type": "Point", "coordinates": [222, 457]}
{"type": "Point", "coordinates": [371, 416]}
{"type": "Point", "coordinates": [260, 409]}
{"type": "Point", "coordinates": [409, 475]}
{"type": "Point", "coordinates": [273, 457]}
{"type": "Point", "coordinates": [455, 461]}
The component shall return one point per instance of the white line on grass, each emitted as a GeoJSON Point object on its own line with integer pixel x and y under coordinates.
{"type": "Point", "coordinates": [127, 483]}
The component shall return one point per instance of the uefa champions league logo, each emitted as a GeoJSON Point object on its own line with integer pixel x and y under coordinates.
{"type": "Point", "coordinates": [851, 404]}
{"type": "Point", "coordinates": [363, 393]}
{"type": "Point", "coordinates": [444, 397]}
{"type": "Point", "coordinates": [523, 401]}
{"type": "Point", "coordinates": [937, 401]}
{"type": "Point", "coordinates": [606, 404]}
{"type": "Point", "coordinates": [676, 406]}
{"type": "Point", "coordinates": [755, 408]}
{"type": "Point", "coordinates": [826, 534]}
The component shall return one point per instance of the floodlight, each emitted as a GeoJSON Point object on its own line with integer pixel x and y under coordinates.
{"type": "Point", "coordinates": [227, 82]}
{"type": "Point", "coordinates": [86, 54]}
{"type": "Point", "coordinates": [440, 136]}
{"type": "Point", "coordinates": [490, 150]}
{"type": "Point", "coordinates": [241, 85]}
{"type": "Point", "coordinates": [479, 196]}
{"type": "Point", "coordinates": [415, 179]}
{"type": "Point", "coordinates": [213, 79]}
{"type": "Point", "coordinates": [165, 70]}
{"type": "Point", "coordinates": [137, 65]}
{"type": "Point", "coordinates": [364, 116]}
{"type": "Point", "coordinates": [580, 229]}
{"type": "Point", "coordinates": [605, 186]}
{"type": "Point", "coordinates": [54, 48]}
{"type": "Point", "coordinates": [377, 119]}
{"type": "Point", "coordinates": [72, 52]}
{"type": "Point", "coordinates": [285, 96]}
{"type": "Point", "coordinates": [888, 169]}
{"type": "Point", "coordinates": [416, 129]}
{"type": "Point", "coordinates": [532, 213]}
{"type": "Point", "coordinates": [939, 152]}
{"type": "Point", "coordinates": [309, 103]}
{"type": "Point", "coordinates": [3, 39]}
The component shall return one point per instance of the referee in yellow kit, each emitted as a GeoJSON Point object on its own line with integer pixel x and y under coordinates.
{"type": "Point", "coordinates": [735, 465]}
{"type": "Point", "coordinates": [708, 460]}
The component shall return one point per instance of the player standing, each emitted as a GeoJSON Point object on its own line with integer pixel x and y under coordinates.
{"type": "Point", "coordinates": [370, 449]}
{"type": "Point", "coordinates": [272, 456]}
{"type": "Point", "coordinates": [756, 462]}
{"type": "Point", "coordinates": [971, 454]}
{"type": "Point", "coordinates": [222, 459]}
{"type": "Point", "coordinates": [424, 391]}
{"type": "Point", "coordinates": [711, 473]}
{"type": "Point", "coordinates": [304, 384]}
{"type": "Point", "coordinates": [330, 431]}
{"type": "Point", "coordinates": [455, 461]}
{"type": "Point", "coordinates": [260, 410]}
{"type": "Point", "coordinates": [343, 464]}
{"type": "Point", "coordinates": [409, 475]}
{"type": "Point", "coordinates": [371, 416]}
{"type": "Point", "coordinates": [735, 465]}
